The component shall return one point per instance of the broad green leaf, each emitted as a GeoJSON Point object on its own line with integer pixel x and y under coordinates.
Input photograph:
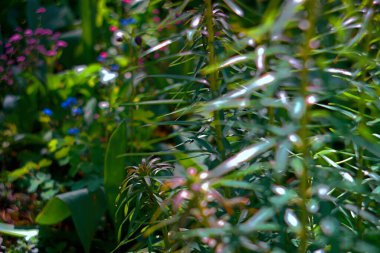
{"type": "Point", "coordinates": [114, 165]}
{"type": "Point", "coordinates": [86, 209]}
{"type": "Point", "coordinates": [54, 211]}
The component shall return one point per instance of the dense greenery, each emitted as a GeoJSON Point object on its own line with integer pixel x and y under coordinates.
{"type": "Point", "coordinates": [190, 126]}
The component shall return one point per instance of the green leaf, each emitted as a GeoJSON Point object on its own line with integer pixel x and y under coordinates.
{"type": "Point", "coordinates": [114, 165]}
{"type": "Point", "coordinates": [88, 10]}
{"type": "Point", "coordinates": [16, 174]}
{"type": "Point", "coordinates": [241, 157]}
{"type": "Point", "coordinates": [86, 209]}
{"type": "Point", "coordinates": [54, 211]}
{"type": "Point", "coordinates": [254, 223]}
{"type": "Point", "coordinates": [234, 184]}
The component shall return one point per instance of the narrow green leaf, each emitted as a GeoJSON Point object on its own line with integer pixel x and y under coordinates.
{"type": "Point", "coordinates": [257, 220]}
{"type": "Point", "coordinates": [8, 229]}
{"type": "Point", "coordinates": [243, 156]}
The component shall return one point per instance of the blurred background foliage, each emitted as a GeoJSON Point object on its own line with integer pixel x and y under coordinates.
{"type": "Point", "coordinates": [189, 126]}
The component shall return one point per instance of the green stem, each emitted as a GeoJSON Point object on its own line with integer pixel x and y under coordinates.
{"type": "Point", "coordinates": [213, 77]}
{"type": "Point", "coordinates": [303, 131]}
{"type": "Point", "coordinates": [362, 123]}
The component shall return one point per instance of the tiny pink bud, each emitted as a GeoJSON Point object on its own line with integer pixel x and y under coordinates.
{"type": "Point", "coordinates": [192, 171]}
{"type": "Point", "coordinates": [21, 58]}
{"type": "Point", "coordinates": [61, 43]}
{"type": "Point", "coordinates": [51, 53]}
{"type": "Point", "coordinates": [113, 28]}
{"type": "Point", "coordinates": [156, 19]}
{"type": "Point", "coordinates": [41, 10]}
{"type": "Point", "coordinates": [28, 32]}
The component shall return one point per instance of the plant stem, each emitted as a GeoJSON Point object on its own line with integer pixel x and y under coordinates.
{"type": "Point", "coordinates": [362, 123]}
{"type": "Point", "coordinates": [213, 78]}
{"type": "Point", "coordinates": [303, 132]}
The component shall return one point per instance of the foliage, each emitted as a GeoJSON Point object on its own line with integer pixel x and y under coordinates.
{"type": "Point", "coordinates": [265, 113]}
{"type": "Point", "coordinates": [283, 102]}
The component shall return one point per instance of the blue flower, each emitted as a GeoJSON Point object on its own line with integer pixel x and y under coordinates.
{"type": "Point", "coordinates": [127, 21]}
{"type": "Point", "coordinates": [100, 59]}
{"type": "Point", "coordinates": [76, 111]}
{"type": "Point", "coordinates": [47, 112]}
{"type": "Point", "coordinates": [73, 131]}
{"type": "Point", "coordinates": [114, 67]}
{"type": "Point", "coordinates": [69, 102]}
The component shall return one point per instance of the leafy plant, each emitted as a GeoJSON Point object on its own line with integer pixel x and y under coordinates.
{"type": "Point", "coordinates": [280, 127]}
{"type": "Point", "coordinates": [140, 196]}
{"type": "Point", "coordinates": [265, 113]}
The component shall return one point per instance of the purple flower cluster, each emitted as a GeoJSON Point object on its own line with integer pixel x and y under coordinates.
{"type": "Point", "coordinates": [26, 49]}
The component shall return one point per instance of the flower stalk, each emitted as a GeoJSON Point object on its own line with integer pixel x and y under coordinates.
{"type": "Point", "coordinates": [304, 186]}
{"type": "Point", "coordinates": [213, 77]}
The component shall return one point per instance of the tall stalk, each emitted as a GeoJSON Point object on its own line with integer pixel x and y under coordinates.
{"type": "Point", "coordinates": [362, 123]}
{"type": "Point", "coordinates": [213, 77]}
{"type": "Point", "coordinates": [303, 133]}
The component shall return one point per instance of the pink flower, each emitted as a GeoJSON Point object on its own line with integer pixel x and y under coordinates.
{"type": "Point", "coordinates": [15, 37]}
{"type": "Point", "coordinates": [41, 10]}
{"type": "Point", "coordinates": [51, 53]}
{"type": "Point", "coordinates": [103, 54]}
{"type": "Point", "coordinates": [21, 58]}
{"type": "Point", "coordinates": [39, 31]}
{"type": "Point", "coordinates": [10, 50]}
{"type": "Point", "coordinates": [48, 32]}
{"type": "Point", "coordinates": [56, 36]}
{"type": "Point", "coordinates": [61, 43]}
{"type": "Point", "coordinates": [113, 28]}
{"type": "Point", "coordinates": [31, 41]}
{"type": "Point", "coordinates": [156, 11]}
{"type": "Point", "coordinates": [127, 1]}
{"type": "Point", "coordinates": [41, 49]}
{"type": "Point", "coordinates": [156, 56]}
{"type": "Point", "coordinates": [156, 19]}
{"type": "Point", "coordinates": [42, 31]}
{"type": "Point", "coordinates": [28, 32]}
